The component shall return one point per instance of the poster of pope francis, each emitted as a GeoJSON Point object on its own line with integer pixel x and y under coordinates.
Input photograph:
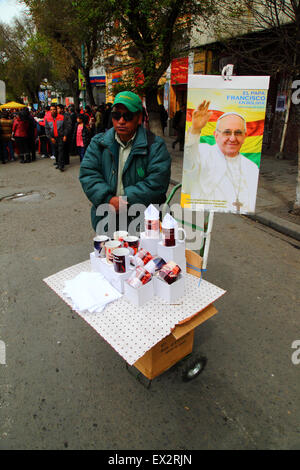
{"type": "Point", "coordinates": [223, 142]}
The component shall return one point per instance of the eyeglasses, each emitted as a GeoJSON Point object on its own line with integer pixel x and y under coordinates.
{"type": "Point", "coordinates": [229, 133]}
{"type": "Point", "coordinates": [128, 116]}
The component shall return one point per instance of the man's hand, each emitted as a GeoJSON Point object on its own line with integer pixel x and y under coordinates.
{"type": "Point", "coordinates": [64, 138]}
{"type": "Point", "coordinates": [200, 117]}
{"type": "Point", "coordinates": [118, 203]}
{"type": "Point", "coordinates": [53, 140]}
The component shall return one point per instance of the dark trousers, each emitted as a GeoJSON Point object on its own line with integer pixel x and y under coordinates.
{"type": "Point", "coordinates": [81, 152]}
{"type": "Point", "coordinates": [58, 148]}
{"type": "Point", "coordinates": [23, 147]}
{"type": "Point", "coordinates": [67, 152]}
{"type": "Point", "coordinates": [7, 150]}
{"type": "Point", "coordinates": [44, 145]}
{"type": "Point", "coordinates": [180, 138]}
{"type": "Point", "coordinates": [33, 148]}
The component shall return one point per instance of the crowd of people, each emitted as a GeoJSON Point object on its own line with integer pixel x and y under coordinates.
{"type": "Point", "coordinates": [55, 132]}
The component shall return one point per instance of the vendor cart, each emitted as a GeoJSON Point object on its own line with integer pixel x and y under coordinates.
{"type": "Point", "coordinates": [153, 337]}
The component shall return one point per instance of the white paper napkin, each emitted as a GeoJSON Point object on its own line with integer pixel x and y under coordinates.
{"type": "Point", "coordinates": [169, 222]}
{"type": "Point", "coordinates": [90, 291]}
{"type": "Point", "coordinates": [151, 213]}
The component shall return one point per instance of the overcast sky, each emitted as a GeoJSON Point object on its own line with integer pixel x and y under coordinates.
{"type": "Point", "coordinates": [9, 9]}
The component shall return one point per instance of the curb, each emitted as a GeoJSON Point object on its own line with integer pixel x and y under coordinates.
{"type": "Point", "coordinates": [281, 225]}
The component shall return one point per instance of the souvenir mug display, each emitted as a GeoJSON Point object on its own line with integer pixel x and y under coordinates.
{"type": "Point", "coordinates": [169, 272]}
{"type": "Point", "coordinates": [139, 277]}
{"type": "Point", "coordinates": [170, 231]}
{"type": "Point", "coordinates": [132, 243]}
{"type": "Point", "coordinates": [142, 257]}
{"type": "Point", "coordinates": [121, 260]}
{"type": "Point", "coordinates": [120, 235]}
{"type": "Point", "coordinates": [99, 242]}
{"type": "Point", "coordinates": [151, 215]}
{"type": "Point", "coordinates": [155, 264]}
{"type": "Point", "coordinates": [110, 246]}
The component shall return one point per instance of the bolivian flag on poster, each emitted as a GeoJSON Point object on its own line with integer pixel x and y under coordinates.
{"type": "Point", "coordinates": [223, 142]}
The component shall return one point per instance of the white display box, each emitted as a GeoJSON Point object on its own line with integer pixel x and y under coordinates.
{"type": "Point", "coordinates": [141, 295]}
{"type": "Point", "coordinates": [117, 280]}
{"type": "Point", "coordinates": [182, 265]}
{"type": "Point", "coordinates": [149, 244]}
{"type": "Point", "coordinates": [169, 292]}
{"type": "Point", "coordinates": [172, 253]}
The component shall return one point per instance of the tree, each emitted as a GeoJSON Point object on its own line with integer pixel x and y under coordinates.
{"type": "Point", "coordinates": [158, 31]}
{"type": "Point", "coordinates": [22, 48]}
{"type": "Point", "coordinates": [74, 28]}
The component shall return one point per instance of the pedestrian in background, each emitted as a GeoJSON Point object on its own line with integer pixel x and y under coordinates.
{"type": "Point", "coordinates": [68, 125]}
{"type": "Point", "coordinates": [107, 121]}
{"type": "Point", "coordinates": [32, 133]}
{"type": "Point", "coordinates": [57, 131]}
{"type": "Point", "coordinates": [6, 124]}
{"type": "Point", "coordinates": [73, 116]}
{"type": "Point", "coordinates": [20, 132]}
{"type": "Point", "coordinates": [82, 135]}
{"type": "Point", "coordinates": [163, 115]}
{"type": "Point", "coordinates": [179, 126]}
{"type": "Point", "coordinates": [99, 118]}
{"type": "Point", "coordinates": [44, 145]}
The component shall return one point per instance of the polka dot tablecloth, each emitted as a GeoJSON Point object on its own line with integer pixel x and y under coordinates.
{"type": "Point", "coordinates": [133, 330]}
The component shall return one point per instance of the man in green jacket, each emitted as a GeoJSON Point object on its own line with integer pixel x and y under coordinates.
{"type": "Point", "coordinates": [126, 165]}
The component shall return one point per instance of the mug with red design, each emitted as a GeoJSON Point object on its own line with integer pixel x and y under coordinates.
{"type": "Point", "coordinates": [132, 243]}
{"type": "Point", "coordinates": [139, 277]}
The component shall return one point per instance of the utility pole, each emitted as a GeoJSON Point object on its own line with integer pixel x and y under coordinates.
{"type": "Point", "coordinates": [83, 64]}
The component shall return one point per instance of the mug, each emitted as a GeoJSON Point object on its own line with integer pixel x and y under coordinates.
{"type": "Point", "coordinates": [99, 242]}
{"type": "Point", "coordinates": [120, 235]}
{"type": "Point", "coordinates": [169, 272]}
{"type": "Point", "coordinates": [121, 260]}
{"type": "Point", "coordinates": [152, 228]}
{"type": "Point", "coordinates": [132, 243]}
{"type": "Point", "coordinates": [169, 235]}
{"type": "Point", "coordinates": [139, 277]}
{"type": "Point", "coordinates": [155, 264]}
{"type": "Point", "coordinates": [110, 246]}
{"type": "Point", "coordinates": [142, 257]}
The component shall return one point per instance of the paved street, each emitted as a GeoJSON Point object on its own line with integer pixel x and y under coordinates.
{"type": "Point", "coordinates": [64, 387]}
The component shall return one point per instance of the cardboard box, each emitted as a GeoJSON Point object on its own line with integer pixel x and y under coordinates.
{"type": "Point", "coordinates": [169, 292]}
{"type": "Point", "coordinates": [173, 348]}
{"type": "Point", "coordinates": [117, 280]}
{"type": "Point", "coordinates": [141, 295]}
{"type": "Point", "coordinates": [193, 263]}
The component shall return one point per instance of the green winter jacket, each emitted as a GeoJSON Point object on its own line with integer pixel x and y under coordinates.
{"type": "Point", "coordinates": [146, 173]}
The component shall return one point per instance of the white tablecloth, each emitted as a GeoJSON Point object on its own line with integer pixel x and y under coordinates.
{"type": "Point", "coordinates": [132, 330]}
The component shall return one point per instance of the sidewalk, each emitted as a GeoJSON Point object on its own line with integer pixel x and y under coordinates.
{"type": "Point", "coordinates": [275, 195]}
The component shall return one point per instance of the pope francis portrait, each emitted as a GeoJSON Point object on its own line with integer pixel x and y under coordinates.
{"type": "Point", "coordinates": [218, 176]}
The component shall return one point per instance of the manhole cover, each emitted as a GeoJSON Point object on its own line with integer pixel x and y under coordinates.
{"type": "Point", "coordinates": [29, 196]}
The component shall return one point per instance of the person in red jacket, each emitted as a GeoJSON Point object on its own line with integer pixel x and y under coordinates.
{"type": "Point", "coordinates": [20, 131]}
{"type": "Point", "coordinates": [57, 131]}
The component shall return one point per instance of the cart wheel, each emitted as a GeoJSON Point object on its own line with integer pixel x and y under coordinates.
{"type": "Point", "coordinates": [193, 368]}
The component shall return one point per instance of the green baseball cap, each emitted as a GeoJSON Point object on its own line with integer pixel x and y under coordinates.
{"type": "Point", "coordinates": [132, 101]}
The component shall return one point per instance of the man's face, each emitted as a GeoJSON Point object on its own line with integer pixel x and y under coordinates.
{"type": "Point", "coordinates": [125, 129]}
{"type": "Point", "coordinates": [53, 111]}
{"type": "Point", "coordinates": [230, 135]}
